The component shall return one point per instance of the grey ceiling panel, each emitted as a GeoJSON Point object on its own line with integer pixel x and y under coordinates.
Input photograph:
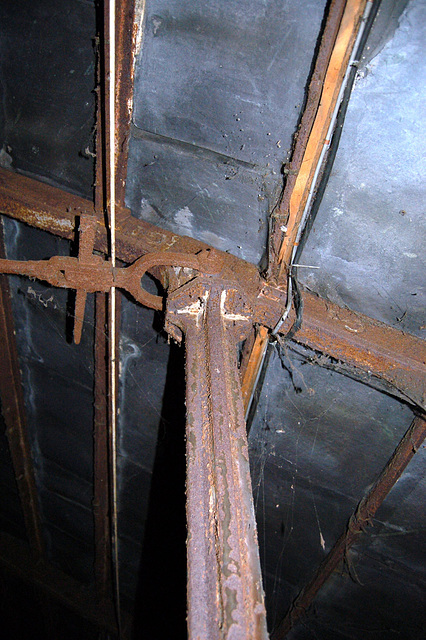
{"type": "Point", "coordinates": [369, 237]}
{"type": "Point", "coordinates": [317, 442]}
{"type": "Point", "coordinates": [226, 75]}
{"type": "Point", "coordinates": [11, 518]}
{"type": "Point", "coordinates": [218, 94]}
{"type": "Point", "coordinates": [143, 368]}
{"type": "Point", "coordinates": [72, 554]}
{"type": "Point", "coordinates": [58, 395]}
{"type": "Point", "coordinates": [381, 591]}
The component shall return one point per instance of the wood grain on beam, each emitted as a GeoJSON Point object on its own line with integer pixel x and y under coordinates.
{"type": "Point", "coordinates": [289, 215]}
{"type": "Point", "coordinates": [251, 364]}
{"type": "Point", "coordinates": [324, 86]}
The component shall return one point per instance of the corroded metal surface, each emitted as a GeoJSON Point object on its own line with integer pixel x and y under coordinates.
{"type": "Point", "coordinates": [126, 30]}
{"type": "Point", "coordinates": [101, 488]}
{"type": "Point", "coordinates": [361, 517]}
{"type": "Point", "coordinates": [279, 218]}
{"type": "Point", "coordinates": [90, 273]}
{"type": "Point", "coordinates": [372, 347]}
{"type": "Point", "coordinates": [225, 594]}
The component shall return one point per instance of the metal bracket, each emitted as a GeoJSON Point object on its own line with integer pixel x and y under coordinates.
{"type": "Point", "coordinates": [225, 593]}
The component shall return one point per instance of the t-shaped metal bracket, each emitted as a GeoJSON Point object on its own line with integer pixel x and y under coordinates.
{"type": "Point", "coordinates": [225, 593]}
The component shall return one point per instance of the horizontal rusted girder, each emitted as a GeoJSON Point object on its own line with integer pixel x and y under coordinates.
{"type": "Point", "coordinates": [365, 510]}
{"type": "Point", "coordinates": [353, 338]}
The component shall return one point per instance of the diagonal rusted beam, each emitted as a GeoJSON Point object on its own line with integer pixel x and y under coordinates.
{"type": "Point", "coordinates": [371, 346]}
{"type": "Point", "coordinates": [323, 99]}
{"type": "Point", "coordinates": [365, 510]}
{"type": "Point", "coordinates": [254, 354]}
{"type": "Point", "coordinates": [12, 406]}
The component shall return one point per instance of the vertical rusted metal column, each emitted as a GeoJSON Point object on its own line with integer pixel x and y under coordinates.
{"type": "Point", "coordinates": [225, 594]}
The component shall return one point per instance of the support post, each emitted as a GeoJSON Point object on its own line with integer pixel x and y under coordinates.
{"type": "Point", "coordinates": [225, 593]}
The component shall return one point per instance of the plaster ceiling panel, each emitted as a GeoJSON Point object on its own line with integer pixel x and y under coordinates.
{"type": "Point", "coordinates": [70, 517]}
{"type": "Point", "coordinates": [47, 75]}
{"type": "Point", "coordinates": [228, 76]}
{"type": "Point", "coordinates": [11, 518]}
{"type": "Point", "coordinates": [213, 199]}
{"type": "Point", "coordinates": [399, 524]}
{"type": "Point", "coordinates": [70, 553]}
{"type": "Point", "coordinates": [368, 239]}
{"type": "Point", "coordinates": [153, 537]}
{"type": "Point", "coordinates": [151, 457]}
{"type": "Point", "coordinates": [317, 442]}
{"type": "Point", "coordinates": [143, 368]}
{"type": "Point", "coordinates": [58, 394]}
{"type": "Point", "coordinates": [67, 484]}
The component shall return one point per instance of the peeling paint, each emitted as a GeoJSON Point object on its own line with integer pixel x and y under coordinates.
{"type": "Point", "coordinates": [227, 314]}
{"type": "Point", "coordinates": [195, 309]}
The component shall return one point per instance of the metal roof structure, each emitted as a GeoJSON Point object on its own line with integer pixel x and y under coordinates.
{"type": "Point", "coordinates": [285, 139]}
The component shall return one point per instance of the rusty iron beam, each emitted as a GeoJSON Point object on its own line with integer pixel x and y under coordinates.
{"type": "Point", "coordinates": [344, 335]}
{"type": "Point", "coordinates": [17, 560]}
{"type": "Point", "coordinates": [102, 463]}
{"type": "Point", "coordinates": [125, 47]}
{"type": "Point", "coordinates": [103, 576]}
{"type": "Point", "coordinates": [126, 35]}
{"type": "Point", "coordinates": [225, 594]}
{"type": "Point", "coordinates": [361, 517]}
{"type": "Point", "coordinates": [101, 476]}
{"type": "Point", "coordinates": [366, 344]}
{"type": "Point", "coordinates": [53, 210]}
{"type": "Point", "coordinates": [13, 409]}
